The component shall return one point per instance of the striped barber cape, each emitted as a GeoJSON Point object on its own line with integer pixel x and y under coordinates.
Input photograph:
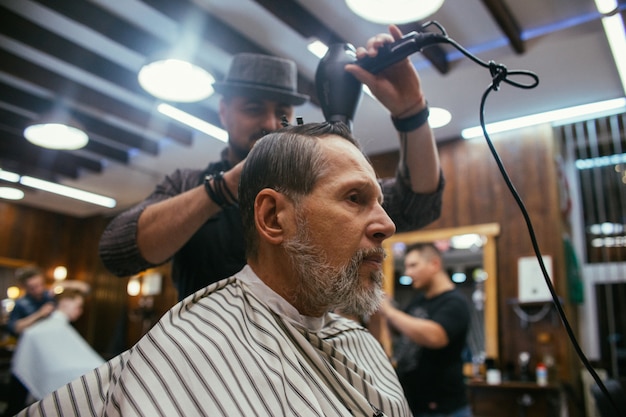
{"type": "Point", "coordinates": [236, 348]}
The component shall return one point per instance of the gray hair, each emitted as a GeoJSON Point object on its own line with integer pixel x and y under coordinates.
{"type": "Point", "coordinates": [289, 161]}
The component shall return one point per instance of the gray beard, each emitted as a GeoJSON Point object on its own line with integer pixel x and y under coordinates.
{"type": "Point", "coordinates": [323, 286]}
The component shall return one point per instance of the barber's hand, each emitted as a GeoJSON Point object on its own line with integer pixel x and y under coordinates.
{"type": "Point", "coordinates": [397, 87]}
{"type": "Point", "coordinates": [46, 310]}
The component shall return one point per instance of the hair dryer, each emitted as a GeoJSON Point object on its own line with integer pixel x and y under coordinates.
{"type": "Point", "coordinates": [339, 92]}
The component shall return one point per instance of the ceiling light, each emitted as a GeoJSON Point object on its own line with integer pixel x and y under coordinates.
{"type": "Point", "coordinates": [396, 11]}
{"type": "Point", "coordinates": [613, 25]}
{"type": "Point", "coordinates": [9, 176]}
{"type": "Point", "coordinates": [606, 6]}
{"type": "Point", "coordinates": [614, 30]}
{"type": "Point", "coordinates": [68, 191]}
{"type": "Point", "coordinates": [317, 48]}
{"type": "Point", "coordinates": [556, 117]}
{"type": "Point", "coordinates": [438, 117]}
{"type": "Point", "coordinates": [56, 136]}
{"type": "Point", "coordinates": [176, 80]}
{"type": "Point", "coordinates": [11, 193]}
{"type": "Point", "coordinates": [193, 121]}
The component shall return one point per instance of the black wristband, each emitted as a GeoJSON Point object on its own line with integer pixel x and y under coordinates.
{"type": "Point", "coordinates": [210, 190]}
{"type": "Point", "coordinates": [215, 186]}
{"type": "Point", "coordinates": [411, 123]}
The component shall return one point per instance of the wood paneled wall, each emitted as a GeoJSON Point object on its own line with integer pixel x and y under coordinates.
{"type": "Point", "coordinates": [476, 193]}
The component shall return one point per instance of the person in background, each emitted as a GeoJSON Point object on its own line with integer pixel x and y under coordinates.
{"type": "Point", "coordinates": [264, 341]}
{"type": "Point", "coordinates": [51, 353]}
{"type": "Point", "coordinates": [433, 330]}
{"type": "Point", "coordinates": [36, 304]}
{"type": "Point", "coordinates": [192, 217]}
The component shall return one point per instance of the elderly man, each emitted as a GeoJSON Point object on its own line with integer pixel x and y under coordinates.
{"type": "Point", "coordinates": [192, 217]}
{"type": "Point", "coordinates": [264, 341]}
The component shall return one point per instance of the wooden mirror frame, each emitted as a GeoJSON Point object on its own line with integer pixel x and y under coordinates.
{"type": "Point", "coordinates": [490, 231]}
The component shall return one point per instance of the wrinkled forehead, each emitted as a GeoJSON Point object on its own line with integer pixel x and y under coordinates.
{"type": "Point", "coordinates": [342, 152]}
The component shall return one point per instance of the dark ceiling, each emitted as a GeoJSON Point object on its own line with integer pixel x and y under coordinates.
{"type": "Point", "coordinates": [80, 58]}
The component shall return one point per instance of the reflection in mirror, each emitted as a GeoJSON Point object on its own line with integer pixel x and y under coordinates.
{"type": "Point", "coordinates": [470, 260]}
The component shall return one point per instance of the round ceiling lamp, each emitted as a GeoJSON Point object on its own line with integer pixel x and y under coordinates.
{"type": "Point", "coordinates": [176, 80]}
{"type": "Point", "coordinates": [11, 193]}
{"type": "Point", "coordinates": [56, 136]}
{"type": "Point", "coordinates": [394, 11]}
{"type": "Point", "coordinates": [439, 117]}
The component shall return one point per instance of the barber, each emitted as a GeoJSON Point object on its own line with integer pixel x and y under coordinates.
{"type": "Point", "coordinates": [192, 217]}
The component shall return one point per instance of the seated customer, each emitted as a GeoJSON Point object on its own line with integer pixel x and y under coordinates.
{"type": "Point", "coordinates": [51, 353]}
{"type": "Point", "coordinates": [263, 342]}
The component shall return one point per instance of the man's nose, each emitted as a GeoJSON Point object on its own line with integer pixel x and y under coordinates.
{"type": "Point", "coordinates": [382, 227]}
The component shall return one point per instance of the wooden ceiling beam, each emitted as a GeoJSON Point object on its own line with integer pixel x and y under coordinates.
{"type": "Point", "coordinates": [301, 20]}
{"type": "Point", "coordinates": [22, 167]}
{"type": "Point", "coordinates": [84, 96]}
{"type": "Point", "coordinates": [32, 156]}
{"type": "Point", "coordinates": [39, 105]}
{"type": "Point", "coordinates": [507, 22]}
{"type": "Point", "coordinates": [15, 26]}
{"type": "Point", "coordinates": [51, 44]}
{"type": "Point", "coordinates": [16, 146]}
{"type": "Point", "coordinates": [144, 43]}
{"type": "Point", "coordinates": [17, 123]}
{"type": "Point", "coordinates": [309, 26]}
{"type": "Point", "coordinates": [435, 53]}
{"type": "Point", "coordinates": [108, 24]}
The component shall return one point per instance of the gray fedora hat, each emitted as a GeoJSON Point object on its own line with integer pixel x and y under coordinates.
{"type": "Point", "coordinates": [262, 76]}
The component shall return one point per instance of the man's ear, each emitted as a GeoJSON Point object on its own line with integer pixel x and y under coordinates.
{"type": "Point", "coordinates": [437, 263]}
{"type": "Point", "coordinates": [271, 212]}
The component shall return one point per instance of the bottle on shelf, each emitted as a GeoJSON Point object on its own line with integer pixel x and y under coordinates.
{"type": "Point", "coordinates": [542, 374]}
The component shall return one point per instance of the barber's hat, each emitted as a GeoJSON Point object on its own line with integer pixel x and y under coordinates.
{"type": "Point", "coordinates": [264, 77]}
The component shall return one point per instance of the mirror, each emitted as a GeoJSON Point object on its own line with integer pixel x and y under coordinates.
{"type": "Point", "coordinates": [476, 261]}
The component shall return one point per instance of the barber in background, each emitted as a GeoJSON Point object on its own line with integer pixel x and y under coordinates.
{"type": "Point", "coordinates": [433, 331]}
{"type": "Point", "coordinates": [36, 304]}
{"type": "Point", "coordinates": [192, 217]}
{"type": "Point", "coordinates": [51, 353]}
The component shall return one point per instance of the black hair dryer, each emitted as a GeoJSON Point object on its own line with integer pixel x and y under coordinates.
{"type": "Point", "coordinates": [338, 91]}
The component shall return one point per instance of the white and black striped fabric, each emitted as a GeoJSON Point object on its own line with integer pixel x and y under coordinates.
{"type": "Point", "coordinates": [236, 348]}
